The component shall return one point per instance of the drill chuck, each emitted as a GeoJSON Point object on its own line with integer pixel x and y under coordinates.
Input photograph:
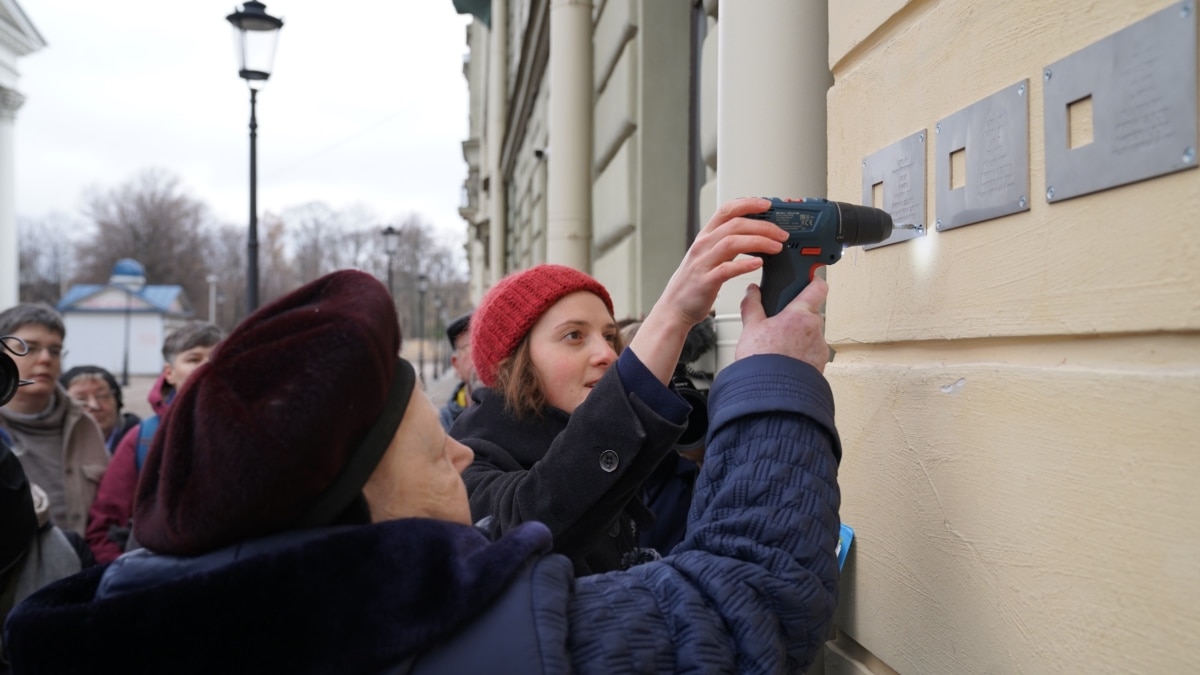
{"type": "Point", "coordinates": [862, 224]}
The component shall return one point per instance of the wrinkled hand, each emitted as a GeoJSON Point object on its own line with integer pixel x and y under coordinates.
{"type": "Point", "coordinates": [797, 331]}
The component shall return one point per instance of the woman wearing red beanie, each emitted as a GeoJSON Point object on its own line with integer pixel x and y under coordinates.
{"type": "Point", "coordinates": [562, 437]}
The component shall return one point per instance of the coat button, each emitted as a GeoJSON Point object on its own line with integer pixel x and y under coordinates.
{"type": "Point", "coordinates": [614, 530]}
{"type": "Point", "coordinates": [609, 461]}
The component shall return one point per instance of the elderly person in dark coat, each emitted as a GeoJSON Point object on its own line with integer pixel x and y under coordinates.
{"type": "Point", "coordinates": [322, 525]}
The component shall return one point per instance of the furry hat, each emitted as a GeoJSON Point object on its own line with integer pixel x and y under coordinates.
{"type": "Point", "coordinates": [282, 427]}
{"type": "Point", "coordinates": [67, 377]}
{"type": "Point", "coordinates": [511, 307]}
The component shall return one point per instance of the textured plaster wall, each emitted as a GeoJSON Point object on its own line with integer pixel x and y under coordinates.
{"type": "Point", "coordinates": [1019, 399]}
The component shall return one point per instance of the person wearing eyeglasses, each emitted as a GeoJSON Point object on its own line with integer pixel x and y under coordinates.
{"type": "Point", "coordinates": [101, 396]}
{"type": "Point", "coordinates": [59, 445]}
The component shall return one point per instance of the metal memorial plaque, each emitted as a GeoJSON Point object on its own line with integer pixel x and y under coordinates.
{"type": "Point", "coordinates": [993, 135]}
{"type": "Point", "coordinates": [900, 168]}
{"type": "Point", "coordinates": [1140, 87]}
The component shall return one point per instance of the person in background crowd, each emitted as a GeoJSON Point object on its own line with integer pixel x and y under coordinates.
{"type": "Point", "coordinates": [33, 552]}
{"type": "Point", "coordinates": [562, 437]}
{"type": "Point", "coordinates": [303, 512]}
{"type": "Point", "coordinates": [184, 350]}
{"type": "Point", "coordinates": [668, 489]}
{"type": "Point", "coordinates": [59, 445]}
{"type": "Point", "coordinates": [101, 396]}
{"type": "Point", "coordinates": [458, 333]}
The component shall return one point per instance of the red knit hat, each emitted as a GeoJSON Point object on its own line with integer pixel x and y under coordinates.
{"type": "Point", "coordinates": [511, 307]}
{"type": "Point", "coordinates": [282, 428]}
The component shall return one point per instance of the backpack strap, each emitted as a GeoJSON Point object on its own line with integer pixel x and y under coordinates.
{"type": "Point", "coordinates": [145, 435]}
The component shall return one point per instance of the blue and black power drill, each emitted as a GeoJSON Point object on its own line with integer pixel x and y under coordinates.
{"type": "Point", "coordinates": [818, 230]}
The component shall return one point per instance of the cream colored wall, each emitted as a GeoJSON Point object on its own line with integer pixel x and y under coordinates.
{"type": "Point", "coordinates": [1019, 399]}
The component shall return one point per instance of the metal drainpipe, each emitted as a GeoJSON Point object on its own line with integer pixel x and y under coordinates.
{"type": "Point", "coordinates": [772, 79]}
{"type": "Point", "coordinates": [569, 181]}
{"type": "Point", "coordinates": [497, 123]}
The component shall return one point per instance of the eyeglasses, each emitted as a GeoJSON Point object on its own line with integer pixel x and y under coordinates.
{"type": "Point", "coordinates": [56, 352]}
{"type": "Point", "coordinates": [102, 397]}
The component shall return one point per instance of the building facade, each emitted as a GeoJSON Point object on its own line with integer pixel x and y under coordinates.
{"type": "Point", "coordinates": [1018, 382]}
{"type": "Point", "coordinates": [18, 37]}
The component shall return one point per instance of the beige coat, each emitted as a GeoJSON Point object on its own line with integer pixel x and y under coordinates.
{"type": "Point", "coordinates": [62, 452]}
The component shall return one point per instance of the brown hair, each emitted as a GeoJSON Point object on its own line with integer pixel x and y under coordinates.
{"type": "Point", "coordinates": [517, 380]}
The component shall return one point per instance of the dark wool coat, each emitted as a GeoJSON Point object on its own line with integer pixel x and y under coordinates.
{"type": "Point", "coordinates": [751, 589]}
{"type": "Point", "coordinates": [579, 474]}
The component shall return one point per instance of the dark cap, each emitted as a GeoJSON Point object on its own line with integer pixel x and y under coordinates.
{"type": "Point", "coordinates": [69, 376]}
{"type": "Point", "coordinates": [457, 327]}
{"type": "Point", "coordinates": [283, 427]}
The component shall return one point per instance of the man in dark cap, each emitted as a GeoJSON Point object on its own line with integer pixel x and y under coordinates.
{"type": "Point", "coordinates": [303, 511]}
{"type": "Point", "coordinates": [458, 333]}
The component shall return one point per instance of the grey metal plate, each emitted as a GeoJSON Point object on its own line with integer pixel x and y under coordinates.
{"type": "Point", "coordinates": [994, 135]}
{"type": "Point", "coordinates": [900, 167]}
{"type": "Point", "coordinates": [1142, 84]}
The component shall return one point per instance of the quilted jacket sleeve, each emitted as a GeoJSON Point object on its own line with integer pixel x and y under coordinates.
{"type": "Point", "coordinates": [753, 586]}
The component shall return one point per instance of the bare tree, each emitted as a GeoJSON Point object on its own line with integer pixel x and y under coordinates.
{"type": "Point", "coordinates": [150, 219]}
{"type": "Point", "coordinates": [44, 257]}
{"type": "Point", "coordinates": [279, 272]}
{"type": "Point", "coordinates": [227, 262]}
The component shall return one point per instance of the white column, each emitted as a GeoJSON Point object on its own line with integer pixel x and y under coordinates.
{"type": "Point", "coordinates": [10, 101]}
{"type": "Point", "coordinates": [569, 183]}
{"type": "Point", "coordinates": [772, 78]}
{"type": "Point", "coordinates": [497, 123]}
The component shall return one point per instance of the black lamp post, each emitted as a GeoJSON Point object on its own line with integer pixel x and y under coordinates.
{"type": "Point", "coordinates": [255, 33]}
{"type": "Point", "coordinates": [391, 239]}
{"type": "Point", "coordinates": [437, 336]}
{"type": "Point", "coordinates": [131, 276]}
{"type": "Point", "coordinates": [422, 286]}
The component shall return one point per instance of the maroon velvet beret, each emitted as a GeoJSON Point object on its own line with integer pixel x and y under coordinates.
{"type": "Point", "coordinates": [511, 307]}
{"type": "Point", "coordinates": [282, 427]}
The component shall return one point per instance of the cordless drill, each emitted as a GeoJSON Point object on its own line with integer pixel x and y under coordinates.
{"type": "Point", "coordinates": [818, 229]}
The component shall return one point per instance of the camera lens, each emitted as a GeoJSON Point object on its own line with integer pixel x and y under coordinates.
{"type": "Point", "coordinates": [697, 424]}
{"type": "Point", "coordinates": [10, 378]}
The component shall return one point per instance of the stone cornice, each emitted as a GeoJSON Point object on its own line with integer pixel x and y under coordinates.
{"type": "Point", "coordinates": [11, 101]}
{"type": "Point", "coordinates": [17, 33]}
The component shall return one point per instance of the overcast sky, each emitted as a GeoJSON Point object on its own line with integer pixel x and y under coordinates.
{"type": "Point", "coordinates": [366, 105]}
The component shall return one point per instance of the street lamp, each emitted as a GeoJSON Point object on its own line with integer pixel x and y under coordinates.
{"type": "Point", "coordinates": [255, 33]}
{"type": "Point", "coordinates": [437, 336]}
{"type": "Point", "coordinates": [422, 286]}
{"type": "Point", "coordinates": [131, 276]}
{"type": "Point", "coordinates": [391, 239]}
{"type": "Point", "coordinates": [212, 298]}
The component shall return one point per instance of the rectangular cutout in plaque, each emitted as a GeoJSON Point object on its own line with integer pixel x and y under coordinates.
{"type": "Point", "coordinates": [1137, 90]}
{"type": "Point", "coordinates": [897, 174]}
{"type": "Point", "coordinates": [982, 164]}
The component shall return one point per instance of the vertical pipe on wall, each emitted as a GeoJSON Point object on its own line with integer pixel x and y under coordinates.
{"type": "Point", "coordinates": [771, 131]}
{"type": "Point", "coordinates": [497, 123]}
{"type": "Point", "coordinates": [569, 181]}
